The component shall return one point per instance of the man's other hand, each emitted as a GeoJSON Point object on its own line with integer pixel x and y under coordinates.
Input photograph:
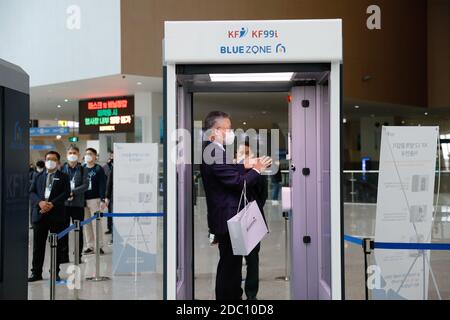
{"type": "Point", "coordinates": [262, 163]}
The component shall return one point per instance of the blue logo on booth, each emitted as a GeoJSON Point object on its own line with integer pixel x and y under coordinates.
{"type": "Point", "coordinates": [280, 48]}
{"type": "Point", "coordinates": [243, 32]}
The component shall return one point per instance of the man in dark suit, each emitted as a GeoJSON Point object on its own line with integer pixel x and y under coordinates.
{"type": "Point", "coordinates": [223, 182]}
{"type": "Point", "coordinates": [48, 192]}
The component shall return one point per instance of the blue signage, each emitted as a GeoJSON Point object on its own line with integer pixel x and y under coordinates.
{"type": "Point", "coordinates": [49, 131]}
{"type": "Point", "coordinates": [42, 147]}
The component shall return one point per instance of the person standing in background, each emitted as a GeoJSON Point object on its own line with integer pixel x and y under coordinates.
{"type": "Point", "coordinates": [40, 166]}
{"type": "Point", "coordinates": [108, 167]}
{"type": "Point", "coordinates": [95, 198]}
{"type": "Point", "coordinates": [109, 197]}
{"type": "Point", "coordinates": [48, 192]}
{"type": "Point", "coordinates": [78, 176]}
{"type": "Point", "coordinates": [258, 193]}
{"type": "Point", "coordinates": [276, 185]}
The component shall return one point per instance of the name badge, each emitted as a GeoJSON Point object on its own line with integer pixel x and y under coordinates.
{"type": "Point", "coordinates": [90, 184]}
{"type": "Point", "coordinates": [72, 184]}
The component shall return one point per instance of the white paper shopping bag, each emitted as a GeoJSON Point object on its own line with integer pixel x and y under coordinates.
{"type": "Point", "coordinates": [247, 228]}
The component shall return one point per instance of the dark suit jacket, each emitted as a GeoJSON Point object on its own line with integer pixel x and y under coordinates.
{"type": "Point", "coordinates": [223, 185]}
{"type": "Point", "coordinates": [58, 195]}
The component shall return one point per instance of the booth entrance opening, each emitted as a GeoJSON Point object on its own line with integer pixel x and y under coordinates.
{"type": "Point", "coordinates": [314, 90]}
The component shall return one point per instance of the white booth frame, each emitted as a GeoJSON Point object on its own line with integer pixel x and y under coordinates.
{"type": "Point", "coordinates": [306, 41]}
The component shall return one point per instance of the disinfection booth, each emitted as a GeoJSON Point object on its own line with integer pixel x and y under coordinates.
{"type": "Point", "coordinates": [300, 57]}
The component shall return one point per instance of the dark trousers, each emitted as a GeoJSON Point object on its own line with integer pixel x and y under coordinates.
{"type": "Point", "coordinates": [252, 277]}
{"type": "Point", "coordinates": [41, 231]}
{"type": "Point", "coordinates": [229, 271]}
{"type": "Point", "coordinates": [72, 213]}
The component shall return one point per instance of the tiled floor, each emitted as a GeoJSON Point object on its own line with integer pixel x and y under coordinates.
{"type": "Point", "coordinates": [359, 221]}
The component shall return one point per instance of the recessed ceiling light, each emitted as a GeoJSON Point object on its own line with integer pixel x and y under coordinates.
{"type": "Point", "coordinates": [426, 113]}
{"type": "Point", "coordinates": [403, 121]}
{"type": "Point", "coordinates": [250, 77]}
{"type": "Point", "coordinates": [356, 107]}
{"type": "Point", "coordinates": [344, 120]}
{"type": "Point", "coordinates": [264, 112]}
{"type": "Point", "coordinates": [244, 123]}
{"type": "Point", "coordinates": [66, 100]}
{"type": "Point", "coordinates": [139, 83]}
{"type": "Point", "coordinates": [58, 106]}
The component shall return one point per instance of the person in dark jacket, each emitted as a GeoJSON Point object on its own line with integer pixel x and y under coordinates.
{"type": "Point", "coordinates": [48, 192]}
{"type": "Point", "coordinates": [109, 199]}
{"type": "Point", "coordinates": [95, 198]}
{"type": "Point", "coordinates": [223, 182]}
{"type": "Point", "coordinates": [78, 177]}
{"type": "Point", "coordinates": [40, 166]}
{"type": "Point", "coordinates": [258, 193]}
{"type": "Point", "coordinates": [108, 168]}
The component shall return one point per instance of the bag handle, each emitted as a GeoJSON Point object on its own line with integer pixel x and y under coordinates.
{"type": "Point", "coordinates": [243, 195]}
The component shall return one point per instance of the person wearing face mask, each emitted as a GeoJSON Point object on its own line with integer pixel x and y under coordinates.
{"type": "Point", "coordinates": [48, 192]}
{"type": "Point", "coordinates": [95, 198]}
{"type": "Point", "coordinates": [258, 193]}
{"type": "Point", "coordinates": [78, 185]}
{"type": "Point", "coordinates": [40, 166]}
{"type": "Point", "coordinates": [223, 181]}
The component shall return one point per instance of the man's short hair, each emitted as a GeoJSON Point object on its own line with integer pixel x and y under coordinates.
{"type": "Point", "coordinates": [73, 147]}
{"type": "Point", "coordinates": [212, 118]}
{"type": "Point", "coordinates": [58, 156]}
{"type": "Point", "coordinates": [92, 150]}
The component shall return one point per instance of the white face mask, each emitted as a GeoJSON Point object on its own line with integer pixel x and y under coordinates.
{"type": "Point", "coordinates": [229, 137]}
{"type": "Point", "coordinates": [50, 164]}
{"type": "Point", "coordinates": [40, 169]}
{"type": "Point", "coordinates": [72, 157]}
{"type": "Point", "coordinates": [87, 158]}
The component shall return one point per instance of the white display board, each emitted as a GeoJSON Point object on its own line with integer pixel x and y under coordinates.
{"type": "Point", "coordinates": [405, 209]}
{"type": "Point", "coordinates": [135, 191]}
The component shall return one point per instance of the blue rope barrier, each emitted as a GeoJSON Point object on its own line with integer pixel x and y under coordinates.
{"type": "Point", "coordinates": [353, 240]}
{"type": "Point", "coordinates": [412, 246]}
{"type": "Point", "coordinates": [82, 223]}
{"type": "Point", "coordinates": [127, 215]}
{"type": "Point", "coordinates": [63, 233]}
{"type": "Point", "coordinates": [400, 245]}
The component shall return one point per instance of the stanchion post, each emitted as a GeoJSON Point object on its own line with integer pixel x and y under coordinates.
{"type": "Point", "coordinates": [53, 239]}
{"type": "Point", "coordinates": [286, 251]}
{"type": "Point", "coordinates": [97, 276]}
{"type": "Point", "coordinates": [76, 240]}
{"type": "Point", "coordinates": [367, 245]}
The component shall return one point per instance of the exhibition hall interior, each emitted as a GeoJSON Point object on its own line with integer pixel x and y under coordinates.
{"type": "Point", "coordinates": [106, 111]}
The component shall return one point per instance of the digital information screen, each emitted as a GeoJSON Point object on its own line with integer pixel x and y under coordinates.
{"type": "Point", "coordinates": [106, 115]}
